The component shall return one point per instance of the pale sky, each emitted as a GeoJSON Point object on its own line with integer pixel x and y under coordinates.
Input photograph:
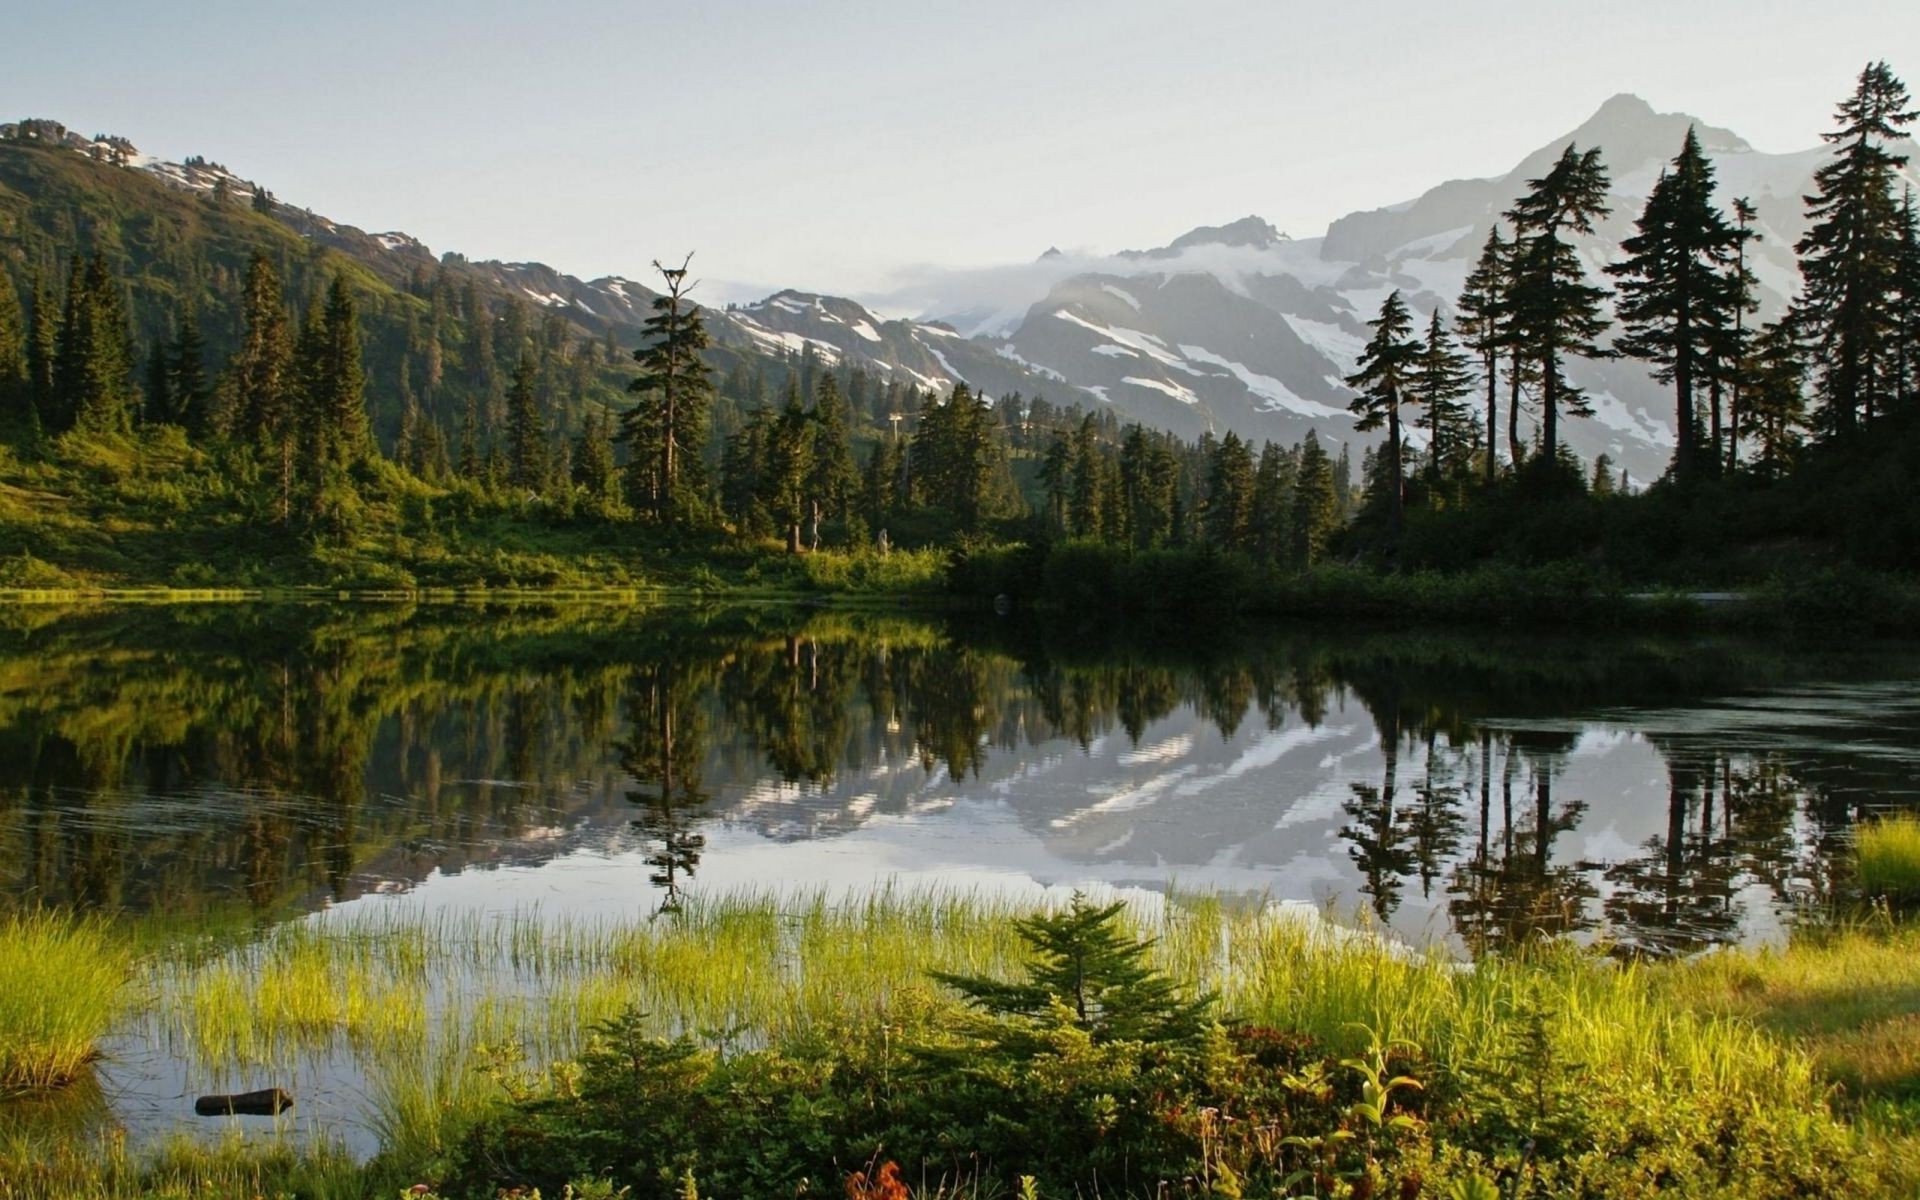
{"type": "Point", "coordinates": [826, 145]}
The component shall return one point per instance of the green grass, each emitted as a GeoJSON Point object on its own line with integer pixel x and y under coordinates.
{"type": "Point", "coordinates": [63, 983]}
{"type": "Point", "coordinates": [1889, 857]}
{"type": "Point", "coordinates": [1848, 997]}
{"type": "Point", "coordinates": [436, 1012]}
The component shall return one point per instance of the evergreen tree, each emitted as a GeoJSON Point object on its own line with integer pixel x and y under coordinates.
{"type": "Point", "coordinates": [593, 465]}
{"type": "Point", "coordinates": [1602, 485]}
{"type": "Point", "coordinates": [1732, 350]}
{"type": "Point", "coordinates": [16, 390]}
{"type": "Point", "coordinates": [470, 440]}
{"type": "Point", "coordinates": [1272, 502]}
{"type": "Point", "coordinates": [1085, 961]}
{"type": "Point", "coordinates": [1440, 377]}
{"type": "Point", "coordinates": [526, 428]}
{"type": "Point", "coordinates": [789, 470]}
{"type": "Point", "coordinates": [832, 478]}
{"type": "Point", "coordinates": [1774, 410]}
{"type": "Point", "coordinates": [43, 327]}
{"type": "Point", "coordinates": [1483, 302]}
{"type": "Point", "coordinates": [159, 400]}
{"type": "Point", "coordinates": [190, 392]}
{"type": "Point", "coordinates": [1147, 485]}
{"type": "Point", "coordinates": [1849, 256]}
{"type": "Point", "coordinates": [1384, 377]}
{"type": "Point", "coordinates": [1554, 311]}
{"type": "Point", "coordinates": [93, 368]}
{"type": "Point", "coordinates": [1907, 307]}
{"type": "Point", "coordinates": [1056, 478]}
{"type": "Point", "coordinates": [261, 380]}
{"type": "Point", "coordinates": [336, 382]}
{"type": "Point", "coordinates": [669, 424]}
{"type": "Point", "coordinates": [1678, 289]}
{"type": "Point", "coordinates": [881, 482]}
{"type": "Point", "coordinates": [1314, 503]}
{"type": "Point", "coordinates": [1089, 463]}
{"type": "Point", "coordinates": [1228, 516]}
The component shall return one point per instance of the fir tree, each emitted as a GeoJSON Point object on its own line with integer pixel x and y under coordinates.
{"type": "Point", "coordinates": [1848, 258]}
{"type": "Point", "coordinates": [1086, 967]}
{"type": "Point", "coordinates": [1482, 322]}
{"type": "Point", "coordinates": [159, 401]}
{"type": "Point", "coordinates": [1314, 504]}
{"type": "Point", "coordinates": [93, 365]}
{"type": "Point", "coordinates": [593, 465]}
{"type": "Point", "coordinates": [526, 428]}
{"type": "Point", "coordinates": [190, 392]}
{"type": "Point", "coordinates": [261, 379]}
{"type": "Point", "coordinates": [336, 382]}
{"type": "Point", "coordinates": [1272, 502]}
{"type": "Point", "coordinates": [1228, 516]}
{"type": "Point", "coordinates": [1774, 410]}
{"type": "Point", "coordinates": [1441, 376]}
{"type": "Point", "coordinates": [1056, 479]}
{"type": "Point", "coordinates": [1147, 485]}
{"type": "Point", "coordinates": [1678, 289]}
{"type": "Point", "coordinates": [1907, 307]}
{"type": "Point", "coordinates": [43, 325]}
{"type": "Point", "coordinates": [832, 478]}
{"type": "Point", "coordinates": [1384, 377]}
{"type": "Point", "coordinates": [1554, 311]}
{"type": "Point", "coordinates": [669, 424]}
{"type": "Point", "coordinates": [1089, 464]}
{"type": "Point", "coordinates": [790, 447]}
{"type": "Point", "coordinates": [16, 391]}
{"type": "Point", "coordinates": [1732, 350]}
{"type": "Point", "coordinates": [1849, 250]}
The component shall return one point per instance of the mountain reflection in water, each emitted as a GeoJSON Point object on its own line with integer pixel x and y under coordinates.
{"type": "Point", "coordinates": [263, 760]}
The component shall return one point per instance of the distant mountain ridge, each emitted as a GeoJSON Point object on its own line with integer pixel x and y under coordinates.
{"type": "Point", "coordinates": [1235, 326]}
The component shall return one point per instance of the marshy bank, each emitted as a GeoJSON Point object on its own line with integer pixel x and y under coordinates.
{"type": "Point", "coordinates": [770, 1040]}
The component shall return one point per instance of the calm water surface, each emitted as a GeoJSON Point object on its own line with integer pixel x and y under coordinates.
{"type": "Point", "coordinates": [243, 765]}
{"type": "Point", "coordinates": [264, 761]}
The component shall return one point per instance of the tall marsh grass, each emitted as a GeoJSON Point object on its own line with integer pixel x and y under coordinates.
{"type": "Point", "coordinates": [63, 983]}
{"type": "Point", "coordinates": [1888, 853]}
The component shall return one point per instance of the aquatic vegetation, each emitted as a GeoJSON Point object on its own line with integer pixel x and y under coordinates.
{"type": "Point", "coordinates": [1888, 857]}
{"type": "Point", "coordinates": [63, 982]}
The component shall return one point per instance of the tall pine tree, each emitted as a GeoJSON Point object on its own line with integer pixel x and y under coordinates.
{"type": "Point", "coordinates": [1849, 256]}
{"type": "Point", "coordinates": [1384, 377]}
{"type": "Point", "coordinates": [667, 428]}
{"type": "Point", "coordinates": [1555, 312]}
{"type": "Point", "coordinates": [1678, 289]}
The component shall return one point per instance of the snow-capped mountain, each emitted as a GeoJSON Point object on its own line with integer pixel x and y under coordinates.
{"type": "Point", "coordinates": [1240, 327]}
{"type": "Point", "coordinates": [1236, 326]}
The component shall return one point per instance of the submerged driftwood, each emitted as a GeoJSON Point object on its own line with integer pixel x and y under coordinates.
{"type": "Point", "coordinates": [266, 1103]}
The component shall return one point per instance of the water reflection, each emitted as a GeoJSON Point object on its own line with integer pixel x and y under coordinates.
{"type": "Point", "coordinates": [257, 761]}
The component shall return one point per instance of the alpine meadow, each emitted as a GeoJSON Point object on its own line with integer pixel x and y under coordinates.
{"type": "Point", "coordinates": [1429, 709]}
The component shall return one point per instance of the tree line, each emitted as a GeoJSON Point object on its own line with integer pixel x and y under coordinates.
{"type": "Point", "coordinates": [477, 395]}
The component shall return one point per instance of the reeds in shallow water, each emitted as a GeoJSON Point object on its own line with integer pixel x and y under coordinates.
{"type": "Point", "coordinates": [63, 983]}
{"type": "Point", "coordinates": [1888, 853]}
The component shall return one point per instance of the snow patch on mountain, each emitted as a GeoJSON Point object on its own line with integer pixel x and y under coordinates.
{"type": "Point", "coordinates": [1278, 396]}
{"type": "Point", "coordinates": [1183, 394]}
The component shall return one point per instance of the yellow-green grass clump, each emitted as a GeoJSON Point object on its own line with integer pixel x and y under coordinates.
{"type": "Point", "coordinates": [1849, 997]}
{"type": "Point", "coordinates": [63, 982]}
{"type": "Point", "coordinates": [1888, 852]}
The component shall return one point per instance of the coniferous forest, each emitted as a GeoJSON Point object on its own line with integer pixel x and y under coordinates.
{"type": "Point", "coordinates": [243, 408]}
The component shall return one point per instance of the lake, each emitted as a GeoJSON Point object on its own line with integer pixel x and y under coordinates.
{"type": "Point", "coordinates": [251, 763]}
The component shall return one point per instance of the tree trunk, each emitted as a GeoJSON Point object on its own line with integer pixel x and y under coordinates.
{"type": "Point", "coordinates": [1549, 408]}
{"type": "Point", "coordinates": [1513, 410]}
{"type": "Point", "coordinates": [1396, 516]}
{"type": "Point", "coordinates": [1491, 362]}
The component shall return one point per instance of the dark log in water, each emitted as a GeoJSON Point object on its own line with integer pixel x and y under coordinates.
{"type": "Point", "coordinates": [266, 1103]}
